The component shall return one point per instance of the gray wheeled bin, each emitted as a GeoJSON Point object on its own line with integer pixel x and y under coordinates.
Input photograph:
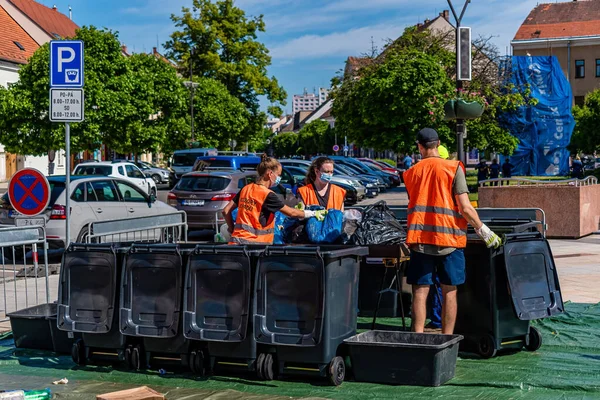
{"type": "Point", "coordinates": [150, 306]}
{"type": "Point", "coordinates": [305, 306]}
{"type": "Point", "coordinates": [506, 289]}
{"type": "Point", "coordinates": [88, 297]}
{"type": "Point", "coordinates": [217, 306]}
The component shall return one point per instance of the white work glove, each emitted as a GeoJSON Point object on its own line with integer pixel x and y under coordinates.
{"type": "Point", "coordinates": [309, 214]}
{"type": "Point", "coordinates": [490, 238]}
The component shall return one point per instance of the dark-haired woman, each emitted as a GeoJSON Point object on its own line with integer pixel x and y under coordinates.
{"type": "Point", "coordinates": [257, 205]}
{"type": "Point", "coordinates": [318, 190]}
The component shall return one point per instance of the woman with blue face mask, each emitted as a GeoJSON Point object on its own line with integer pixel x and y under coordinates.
{"type": "Point", "coordinates": [318, 190]}
{"type": "Point", "coordinates": [257, 205]}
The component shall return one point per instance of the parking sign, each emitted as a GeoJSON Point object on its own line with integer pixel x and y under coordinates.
{"type": "Point", "coordinates": [66, 63]}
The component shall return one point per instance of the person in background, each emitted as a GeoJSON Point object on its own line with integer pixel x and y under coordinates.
{"type": "Point", "coordinates": [318, 190]}
{"type": "Point", "coordinates": [438, 213]}
{"type": "Point", "coordinates": [577, 168]}
{"type": "Point", "coordinates": [507, 168]}
{"type": "Point", "coordinates": [495, 171]}
{"type": "Point", "coordinates": [482, 171]}
{"type": "Point", "coordinates": [257, 205]}
{"type": "Point", "coordinates": [407, 161]}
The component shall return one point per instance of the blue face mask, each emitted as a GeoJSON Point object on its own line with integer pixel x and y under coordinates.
{"type": "Point", "coordinates": [278, 180]}
{"type": "Point", "coordinates": [326, 177]}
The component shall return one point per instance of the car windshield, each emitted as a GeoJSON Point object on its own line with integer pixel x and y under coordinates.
{"type": "Point", "coordinates": [204, 183]}
{"type": "Point", "coordinates": [373, 165]}
{"type": "Point", "coordinates": [93, 170]}
{"type": "Point", "coordinates": [186, 159]}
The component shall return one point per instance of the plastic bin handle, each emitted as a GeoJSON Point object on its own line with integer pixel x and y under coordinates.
{"type": "Point", "coordinates": [286, 250]}
{"type": "Point", "coordinates": [91, 247]}
{"type": "Point", "coordinates": [524, 235]}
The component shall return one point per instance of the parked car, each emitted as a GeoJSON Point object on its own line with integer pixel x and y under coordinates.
{"type": "Point", "coordinates": [159, 175]}
{"type": "Point", "coordinates": [221, 162]}
{"type": "Point", "coordinates": [365, 169]}
{"type": "Point", "coordinates": [338, 177]}
{"type": "Point", "coordinates": [183, 161]}
{"type": "Point", "coordinates": [122, 170]}
{"type": "Point", "coordinates": [373, 183]}
{"type": "Point", "coordinates": [93, 198]}
{"type": "Point", "coordinates": [394, 173]}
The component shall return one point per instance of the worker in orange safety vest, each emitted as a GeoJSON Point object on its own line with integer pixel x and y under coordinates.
{"type": "Point", "coordinates": [438, 212]}
{"type": "Point", "coordinates": [318, 190]}
{"type": "Point", "coordinates": [257, 205]}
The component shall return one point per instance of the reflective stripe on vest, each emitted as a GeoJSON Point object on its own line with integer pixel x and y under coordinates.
{"type": "Point", "coordinates": [337, 195]}
{"type": "Point", "coordinates": [433, 216]}
{"type": "Point", "coordinates": [247, 228]}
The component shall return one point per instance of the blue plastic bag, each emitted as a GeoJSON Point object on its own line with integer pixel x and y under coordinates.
{"type": "Point", "coordinates": [328, 231]}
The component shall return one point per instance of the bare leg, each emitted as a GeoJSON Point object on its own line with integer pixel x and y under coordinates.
{"type": "Point", "coordinates": [419, 307]}
{"type": "Point", "coordinates": [449, 309]}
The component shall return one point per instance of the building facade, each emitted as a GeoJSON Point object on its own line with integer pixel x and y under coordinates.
{"type": "Point", "coordinates": [570, 31]}
{"type": "Point", "coordinates": [309, 101]}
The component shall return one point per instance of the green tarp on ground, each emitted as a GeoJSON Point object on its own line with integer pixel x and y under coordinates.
{"type": "Point", "coordinates": [566, 367]}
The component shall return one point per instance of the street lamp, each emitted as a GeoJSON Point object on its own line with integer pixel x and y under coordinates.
{"type": "Point", "coordinates": [192, 85]}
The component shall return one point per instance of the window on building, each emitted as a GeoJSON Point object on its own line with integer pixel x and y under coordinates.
{"type": "Point", "coordinates": [597, 67]}
{"type": "Point", "coordinates": [579, 68]}
{"type": "Point", "coordinates": [579, 100]}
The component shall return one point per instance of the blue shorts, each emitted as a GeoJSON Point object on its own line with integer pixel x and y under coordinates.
{"type": "Point", "coordinates": [450, 269]}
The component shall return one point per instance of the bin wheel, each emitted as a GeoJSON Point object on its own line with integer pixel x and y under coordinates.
{"type": "Point", "coordinates": [268, 371]}
{"type": "Point", "coordinates": [260, 362]}
{"type": "Point", "coordinates": [137, 357]}
{"type": "Point", "coordinates": [78, 352]}
{"type": "Point", "coordinates": [199, 363]}
{"type": "Point", "coordinates": [337, 371]}
{"type": "Point", "coordinates": [128, 357]}
{"type": "Point", "coordinates": [534, 340]}
{"type": "Point", "coordinates": [191, 361]}
{"type": "Point", "coordinates": [487, 346]}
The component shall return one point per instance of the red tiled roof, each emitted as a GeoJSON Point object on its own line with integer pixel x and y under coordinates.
{"type": "Point", "coordinates": [11, 32]}
{"type": "Point", "coordinates": [557, 20]}
{"type": "Point", "coordinates": [50, 20]}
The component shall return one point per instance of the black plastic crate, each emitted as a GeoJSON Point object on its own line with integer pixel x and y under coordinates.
{"type": "Point", "coordinates": [31, 327]}
{"type": "Point", "coordinates": [403, 358]}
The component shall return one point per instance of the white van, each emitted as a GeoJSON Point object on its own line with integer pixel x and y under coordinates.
{"type": "Point", "coordinates": [183, 161]}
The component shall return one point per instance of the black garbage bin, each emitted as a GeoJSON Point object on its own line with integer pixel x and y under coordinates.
{"type": "Point", "coordinates": [88, 297]}
{"type": "Point", "coordinates": [305, 306]}
{"type": "Point", "coordinates": [506, 289]}
{"type": "Point", "coordinates": [150, 306]}
{"type": "Point", "coordinates": [219, 285]}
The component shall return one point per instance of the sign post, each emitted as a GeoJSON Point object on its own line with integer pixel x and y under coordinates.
{"type": "Point", "coordinates": [67, 102]}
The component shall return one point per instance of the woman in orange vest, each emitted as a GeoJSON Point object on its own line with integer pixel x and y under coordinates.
{"type": "Point", "coordinates": [257, 205]}
{"type": "Point", "coordinates": [318, 190]}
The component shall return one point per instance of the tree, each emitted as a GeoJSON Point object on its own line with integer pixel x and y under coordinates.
{"type": "Point", "coordinates": [225, 48]}
{"type": "Point", "coordinates": [393, 96]}
{"type": "Point", "coordinates": [586, 136]}
{"type": "Point", "coordinates": [315, 138]}
{"type": "Point", "coordinates": [285, 144]}
{"type": "Point", "coordinates": [131, 103]}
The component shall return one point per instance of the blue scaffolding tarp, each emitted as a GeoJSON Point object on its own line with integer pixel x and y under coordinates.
{"type": "Point", "coordinates": [544, 131]}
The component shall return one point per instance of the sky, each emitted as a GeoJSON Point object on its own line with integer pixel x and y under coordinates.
{"type": "Point", "coordinates": [309, 40]}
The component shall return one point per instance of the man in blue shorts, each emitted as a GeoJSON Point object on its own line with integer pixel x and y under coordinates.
{"type": "Point", "coordinates": [438, 212]}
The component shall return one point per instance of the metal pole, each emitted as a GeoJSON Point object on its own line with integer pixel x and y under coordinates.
{"type": "Point", "coordinates": [192, 89]}
{"type": "Point", "coordinates": [68, 184]}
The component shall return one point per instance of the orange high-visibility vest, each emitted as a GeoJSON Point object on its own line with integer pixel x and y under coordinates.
{"type": "Point", "coordinates": [433, 216]}
{"type": "Point", "coordinates": [248, 229]}
{"type": "Point", "coordinates": [336, 196]}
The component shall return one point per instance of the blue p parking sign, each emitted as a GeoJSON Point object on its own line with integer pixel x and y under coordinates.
{"type": "Point", "coordinates": [66, 63]}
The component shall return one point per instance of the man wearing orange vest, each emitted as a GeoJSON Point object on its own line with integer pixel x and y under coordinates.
{"type": "Point", "coordinates": [438, 212]}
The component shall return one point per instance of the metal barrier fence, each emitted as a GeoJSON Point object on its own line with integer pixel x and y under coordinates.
{"type": "Point", "coordinates": [22, 283]}
{"type": "Point", "coordinates": [590, 180]}
{"type": "Point", "coordinates": [166, 228]}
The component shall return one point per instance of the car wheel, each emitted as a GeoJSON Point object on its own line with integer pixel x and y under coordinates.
{"type": "Point", "coordinates": [153, 192]}
{"type": "Point", "coordinates": [156, 179]}
{"type": "Point", "coordinates": [84, 236]}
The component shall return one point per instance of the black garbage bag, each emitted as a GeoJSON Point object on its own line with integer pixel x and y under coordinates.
{"type": "Point", "coordinates": [378, 226]}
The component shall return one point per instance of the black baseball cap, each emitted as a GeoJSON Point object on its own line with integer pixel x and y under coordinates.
{"type": "Point", "coordinates": [427, 135]}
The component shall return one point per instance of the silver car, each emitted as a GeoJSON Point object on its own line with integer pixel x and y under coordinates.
{"type": "Point", "coordinates": [92, 199]}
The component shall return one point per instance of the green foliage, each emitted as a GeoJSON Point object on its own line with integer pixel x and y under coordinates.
{"type": "Point", "coordinates": [393, 163]}
{"type": "Point", "coordinates": [405, 88]}
{"type": "Point", "coordinates": [586, 136]}
{"type": "Point", "coordinates": [393, 100]}
{"type": "Point", "coordinates": [285, 144]}
{"type": "Point", "coordinates": [121, 94]}
{"type": "Point", "coordinates": [225, 48]}
{"type": "Point", "coordinates": [316, 137]}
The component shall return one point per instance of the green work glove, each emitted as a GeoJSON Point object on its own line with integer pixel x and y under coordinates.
{"type": "Point", "coordinates": [300, 206]}
{"type": "Point", "coordinates": [490, 238]}
{"type": "Point", "coordinates": [320, 215]}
